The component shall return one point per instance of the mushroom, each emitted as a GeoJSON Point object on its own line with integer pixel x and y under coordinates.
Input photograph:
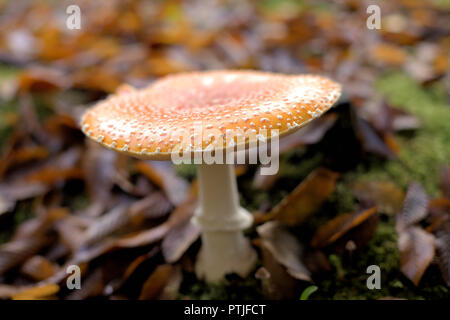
{"type": "Point", "coordinates": [147, 124]}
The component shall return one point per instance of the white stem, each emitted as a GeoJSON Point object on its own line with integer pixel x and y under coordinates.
{"type": "Point", "coordinates": [221, 219]}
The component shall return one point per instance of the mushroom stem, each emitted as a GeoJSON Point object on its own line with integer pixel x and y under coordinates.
{"type": "Point", "coordinates": [221, 219]}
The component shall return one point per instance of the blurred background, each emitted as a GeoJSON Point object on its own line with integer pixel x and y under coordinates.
{"type": "Point", "coordinates": [377, 163]}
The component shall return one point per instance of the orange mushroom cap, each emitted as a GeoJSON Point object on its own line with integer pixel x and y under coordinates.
{"type": "Point", "coordinates": [149, 123]}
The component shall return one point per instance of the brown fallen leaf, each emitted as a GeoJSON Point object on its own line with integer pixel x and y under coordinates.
{"type": "Point", "coordinates": [357, 237]}
{"type": "Point", "coordinates": [6, 205]}
{"type": "Point", "coordinates": [388, 54]}
{"type": "Point", "coordinates": [7, 291]}
{"type": "Point", "coordinates": [52, 175]}
{"type": "Point", "coordinates": [32, 125]}
{"type": "Point", "coordinates": [38, 268]}
{"type": "Point", "coordinates": [141, 238]}
{"type": "Point", "coordinates": [305, 199]}
{"type": "Point", "coordinates": [108, 223]}
{"type": "Point", "coordinates": [384, 194]}
{"type": "Point", "coordinates": [132, 268]}
{"type": "Point", "coordinates": [285, 248]}
{"type": "Point", "coordinates": [155, 284]}
{"type": "Point", "coordinates": [172, 287]}
{"type": "Point", "coordinates": [37, 293]}
{"type": "Point", "coordinates": [15, 252]}
{"type": "Point", "coordinates": [277, 284]}
{"type": "Point", "coordinates": [416, 248]}
{"type": "Point", "coordinates": [71, 233]}
{"type": "Point", "coordinates": [40, 79]}
{"type": "Point", "coordinates": [99, 171]}
{"type": "Point", "coordinates": [127, 215]}
{"type": "Point", "coordinates": [21, 190]}
{"type": "Point", "coordinates": [443, 251]}
{"type": "Point", "coordinates": [317, 262]}
{"type": "Point", "coordinates": [337, 227]}
{"type": "Point", "coordinates": [371, 140]}
{"type": "Point", "coordinates": [164, 176]}
{"type": "Point", "coordinates": [23, 155]}
{"type": "Point", "coordinates": [182, 213]}
{"type": "Point", "coordinates": [154, 206]}
{"type": "Point", "coordinates": [39, 225]}
{"type": "Point", "coordinates": [439, 213]}
{"type": "Point", "coordinates": [62, 167]}
{"type": "Point", "coordinates": [178, 240]}
{"type": "Point", "coordinates": [415, 207]}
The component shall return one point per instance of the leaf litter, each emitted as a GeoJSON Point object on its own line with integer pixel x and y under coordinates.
{"type": "Point", "coordinates": [126, 222]}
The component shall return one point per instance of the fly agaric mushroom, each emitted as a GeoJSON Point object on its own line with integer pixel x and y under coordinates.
{"type": "Point", "coordinates": [145, 124]}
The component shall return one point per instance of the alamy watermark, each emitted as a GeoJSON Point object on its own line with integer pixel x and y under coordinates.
{"type": "Point", "coordinates": [374, 281]}
{"type": "Point", "coordinates": [74, 279]}
{"type": "Point", "coordinates": [209, 145]}
{"type": "Point", "coordinates": [73, 21]}
{"type": "Point", "coordinates": [374, 20]}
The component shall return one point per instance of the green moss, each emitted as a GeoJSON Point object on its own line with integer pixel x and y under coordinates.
{"type": "Point", "coordinates": [232, 288]}
{"type": "Point", "coordinates": [79, 202]}
{"type": "Point", "coordinates": [444, 4]}
{"type": "Point", "coordinates": [381, 251]}
{"type": "Point", "coordinates": [342, 198]}
{"type": "Point", "coordinates": [7, 73]}
{"type": "Point", "coordinates": [420, 157]}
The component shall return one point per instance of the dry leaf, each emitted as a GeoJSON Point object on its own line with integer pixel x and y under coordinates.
{"type": "Point", "coordinates": [371, 141]}
{"type": "Point", "coordinates": [172, 287]}
{"type": "Point", "coordinates": [337, 227]}
{"type": "Point", "coordinates": [15, 252]}
{"type": "Point", "coordinates": [443, 252]}
{"type": "Point", "coordinates": [178, 240]}
{"type": "Point", "coordinates": [415, 207]}
{"type": "Point", "coordinates": [277, 284]}
{"type": "Point", "coordinates": [37, 293]}
{"type": "Point", "coordinates": [40, 79]}
{"type": "Point", "coordinates": [6, 205]}
{"type": "Point", "coordinates": [317, 262]}
{"type": "Point", "coordinates": [285, 248]}
{"type": "Point", "coordinates": [134, 266]}
{"type": "Point", "coordinates": [164, 176]}
{"type": "Point", "coordinates": [39, 268]}
{"type": "Point", "coordinates": [108, 223]}
{"type": "Point", "coordinates": [306, 198]}
{"type": "Point", "coordinates": [416, 248]}
{"type": "Point", "coordinates": [21, 190]}
{"type": "Point", "coordinates": [99, 170]}
{"type": "Point", "coordinates": [384, 194]}
{"type": "Point", "coordinates": [388, 54]}
{"type": "Point", "coordinates": [155, 284]}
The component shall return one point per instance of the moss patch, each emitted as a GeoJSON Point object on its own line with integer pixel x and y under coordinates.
{"type": "Point", "coordinates": [232, 288]}
{"type": "Point", "coordinates": [422, 156]}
